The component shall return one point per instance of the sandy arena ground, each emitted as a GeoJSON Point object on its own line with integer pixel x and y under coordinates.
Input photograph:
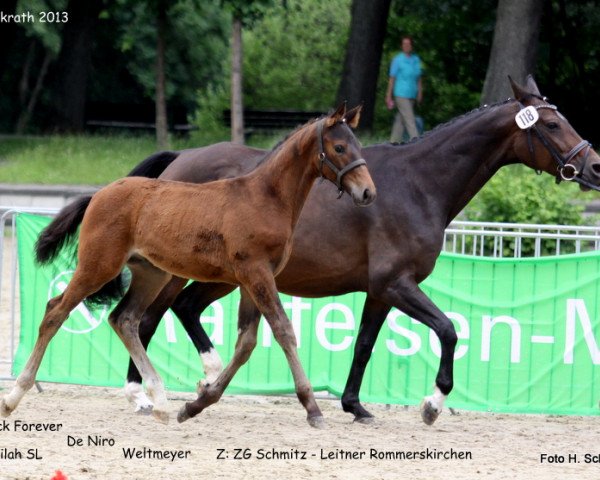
{"type": "Point", "coordinates": [238, 438]}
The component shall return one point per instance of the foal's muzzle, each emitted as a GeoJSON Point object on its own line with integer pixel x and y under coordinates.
{"type": "Point", "coordinates": [362, 195]}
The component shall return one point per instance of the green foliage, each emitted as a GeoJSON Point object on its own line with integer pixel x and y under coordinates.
{"type": "Point", "coordinates": [48, 33]}
{"type": "Point", "coordinates": [196, 45]}
{"type": "Point", "coordinates": [248, 11]}
{"type": "Point", "coordinates": [516, 194]}
{"type": "Point", "coordinates": [293, 57]}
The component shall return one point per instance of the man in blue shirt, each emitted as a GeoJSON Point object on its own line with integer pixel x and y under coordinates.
{"type": "Point", "coordinates": [405, 86]}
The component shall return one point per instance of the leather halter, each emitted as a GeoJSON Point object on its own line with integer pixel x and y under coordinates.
{"type": "Point", "coordinates": [323, 159]}
{"type": "Point", "coordinates": [566, 170]}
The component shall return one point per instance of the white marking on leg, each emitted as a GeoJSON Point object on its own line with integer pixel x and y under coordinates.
{"type": "Point", "coordinates": [437, 400]}
{"type": "Point", "coordinates": [212, 365]}
{"type": "Point", "coordinates": [137, 397]}
{"type": "Point", "coordinates": [11, 400]}
{"type": "Point", "coordinates": [157, 393]}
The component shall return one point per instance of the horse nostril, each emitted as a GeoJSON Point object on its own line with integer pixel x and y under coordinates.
{"type": "Point", "coordinates": [596, 168]}
{"type": "Point", "coordinates": [368, 196]}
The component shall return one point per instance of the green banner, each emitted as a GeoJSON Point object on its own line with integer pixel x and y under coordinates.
{"type": "Point", "coordinates": [529, 338]}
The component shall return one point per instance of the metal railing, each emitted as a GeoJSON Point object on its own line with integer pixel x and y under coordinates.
{"type": "Point", "coordinates": [518, 240]}
{"type": "Point", "coordinates": [9, 294]}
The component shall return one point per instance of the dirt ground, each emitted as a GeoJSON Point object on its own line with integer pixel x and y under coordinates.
{"type": "Point", "coordinates": [90, 433]}
{"type": "Point", "coordinates": [240, 436]}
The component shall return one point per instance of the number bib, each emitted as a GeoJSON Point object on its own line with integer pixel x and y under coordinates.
{"type": "Point", "coordinates": [527, 117]}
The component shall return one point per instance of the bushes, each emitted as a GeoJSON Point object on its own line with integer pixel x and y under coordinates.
{"type": "Point", "coordinates": [517, 195]}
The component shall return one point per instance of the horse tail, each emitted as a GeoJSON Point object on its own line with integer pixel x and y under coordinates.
{"type": "Point", "coordinates": [154, 165]}
{"type": "Point", "coordinates": [61, 231]}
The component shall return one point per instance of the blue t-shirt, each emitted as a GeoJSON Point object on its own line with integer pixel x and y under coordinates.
{"type": "Point", "coordinates": [406, 70]}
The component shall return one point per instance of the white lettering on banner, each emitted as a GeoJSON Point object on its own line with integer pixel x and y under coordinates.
{"type": "Point", "coordinates": [413, 337]}
{"type": "Point", "coordinates": [488, 323]}
{"type": "Point", "coordinates": [81, 320]}
{"type": "Point", "coordinates": [321, 325]}
{"type": "Point", "coordinates": [169, 327]}
{"type": "Point", "coordinates": [217, 320]}
{"type": "Point", "coordinates": [295, 307]}
{"type": "Point", "coordinates": [576, 308]}
{"type": "Point", "coordinates": [462, 333]}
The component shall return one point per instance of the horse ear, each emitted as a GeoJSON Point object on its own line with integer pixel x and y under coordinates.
{"type": "Point", "coordinates": [337, 116]}
{"type": "Point", "coordinates": [517, 89]}
{"type": "Point", "coordinates": [353, 116]}
{"type": "Point", "coordinates": [532, 86]}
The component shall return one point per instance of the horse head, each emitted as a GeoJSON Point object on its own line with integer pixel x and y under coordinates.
{"type": "Point", "coordinates": [340, 158]}
{"type": "Point", "coordinates": [547, 142]}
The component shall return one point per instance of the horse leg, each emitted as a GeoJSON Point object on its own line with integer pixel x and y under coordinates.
{"type": "Point", "coordinates": [405, 294]}
{"type": "Point", "coordinates": [148, 325]}
{"type": "Point", "coordinates": [146, 283]}
{"type": "Point", "coordinates": [208, 394]}
{"type": "Point", "coordinates": [373, 316]}
{"type": "Point", "coordinates": [188, 307]}
{"type": "Point", "coordinates": [84, 282]}
{"type": "Point", "coordinates": [261, 286]}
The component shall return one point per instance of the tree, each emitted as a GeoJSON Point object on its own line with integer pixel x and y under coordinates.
{"type": "Point", "coordinates": [162, 128]}
{"type": "Point", "coordinates": [514, 47]}
{"type": "Point", "coordinates": [74, 62]}
{"type": "Point", "coordinates": [244, 13]}
{"type": "Point", "coordinates": [363, 56]}
{"type": "Point", "coordinates": [237, 101]}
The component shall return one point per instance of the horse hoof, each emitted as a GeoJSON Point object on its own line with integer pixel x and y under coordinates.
{"type": "Point", "coordinates": [144, 410]}
{"type": "Point", "coordinates": [429, 413]}
{"type": "Point", "coordinates": [5, 410]}
{"type": "Point", "coordinates": [365, 420]}
{"type": "Point", "coordinates": [183, 414]}
{"type": "Point", "coordinates": [316, 422]}
{"type": "Point", "coordinates": [161, 416]}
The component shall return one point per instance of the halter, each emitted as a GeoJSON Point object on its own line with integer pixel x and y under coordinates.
{"type": "Point", "coordinates": [566, 171]}
{"type": "Point", "coordinates": [323, 159]}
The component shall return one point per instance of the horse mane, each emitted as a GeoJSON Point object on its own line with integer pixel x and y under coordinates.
{"type": "Point", "coordinates": [280, 143]}
{"type": "Point", "coordinates": [454, 120]}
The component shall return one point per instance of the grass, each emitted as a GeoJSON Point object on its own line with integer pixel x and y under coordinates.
{"type": "Point", "coordinates": [90, 159]}
{"type": "Point", "coordinates": [80, 159]}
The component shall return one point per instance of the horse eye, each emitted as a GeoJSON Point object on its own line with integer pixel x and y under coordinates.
{"type": "Point", "coordinates": [339, 149]}
{"type": "Point", "coordinates": [552, 125]}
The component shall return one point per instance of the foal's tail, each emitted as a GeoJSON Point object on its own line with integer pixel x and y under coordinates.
{"type": "Point", "coordinates": [61, 231]}
{"type": "Point", "coordinates": [59, 234]}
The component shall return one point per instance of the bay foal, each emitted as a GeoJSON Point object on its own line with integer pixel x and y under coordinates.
{"type": "Point", "coordinates": [236, 231]}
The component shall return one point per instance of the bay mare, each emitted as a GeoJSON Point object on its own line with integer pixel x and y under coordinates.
{"type": "Point", "coordinates": [236, 231]}
{"type": "Point", "coordinates": [388, 249]}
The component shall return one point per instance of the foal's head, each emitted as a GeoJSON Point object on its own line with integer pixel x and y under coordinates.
{"type": "Point", "coordinates": [547, 142]}
{"type": "Point", "coordinates": [339, 157]}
